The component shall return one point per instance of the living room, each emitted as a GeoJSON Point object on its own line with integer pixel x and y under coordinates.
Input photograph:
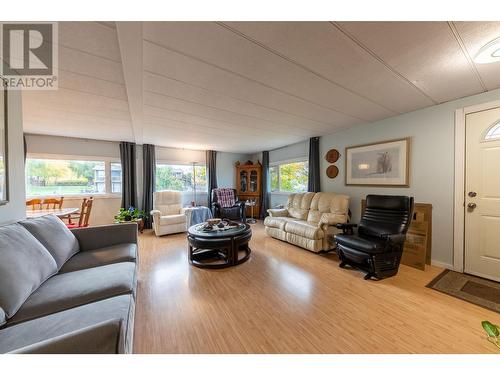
{"type": "Point", "coordinates": [251, 186]}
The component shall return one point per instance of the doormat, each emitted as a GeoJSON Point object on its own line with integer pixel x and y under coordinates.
{"type": "Point", "coordinates": [481, 292]}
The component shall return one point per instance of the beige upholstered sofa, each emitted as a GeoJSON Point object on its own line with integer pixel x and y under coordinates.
{"type": "Point", "coordinates": [168, 214]}
{"type": "Point", "coordinates": [309, 220]}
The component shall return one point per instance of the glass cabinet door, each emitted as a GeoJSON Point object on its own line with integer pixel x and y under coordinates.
{"type": "Point", "coordinates": [243, 181]}
{"type": "Point", "coordinates": [253, 181]}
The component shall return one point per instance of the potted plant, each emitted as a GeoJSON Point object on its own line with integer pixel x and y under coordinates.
{"type": "Point", "coordinates": [493, 332]}
{"type": "Point", "coordinates": [131, 214]}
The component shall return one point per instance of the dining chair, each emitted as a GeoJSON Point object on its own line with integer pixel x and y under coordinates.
{"type": "Point", "coordinates": [83, 216]}
{"type": "Point", "coordinates": [35, 204]}
{"type": "Point", "coordinates": [52, 203]}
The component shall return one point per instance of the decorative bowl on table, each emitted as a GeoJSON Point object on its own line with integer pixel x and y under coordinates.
{"type": "Point", "coordinates": [214, 221]}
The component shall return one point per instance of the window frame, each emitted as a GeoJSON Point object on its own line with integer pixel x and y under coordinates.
{"type": "Point", "coordinates": [182, 163]}
{"type": "Point", "coordinates": [107, 169]}
{"type": "Point", "coordinates": [278, 164]}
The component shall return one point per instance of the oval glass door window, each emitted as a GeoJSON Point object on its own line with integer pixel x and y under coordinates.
{"type": "Point", "coordinates": [493, 132]}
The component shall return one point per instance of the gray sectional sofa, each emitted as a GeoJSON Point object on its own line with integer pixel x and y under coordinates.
{"type": "Point", "coordinates": [65, 291]}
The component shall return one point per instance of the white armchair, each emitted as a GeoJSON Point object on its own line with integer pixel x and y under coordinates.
{"type": "Point", "coordinates": [168, 214]}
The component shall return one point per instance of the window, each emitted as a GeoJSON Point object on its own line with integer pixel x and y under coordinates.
{"type": "Point", "coordinates": [180, 177]}
{"type": "Point", "coordinates": [64, 177]}
{"type": "Point", "coordinates": [289, 177]}
{"type": "Point", "coordinates": [493, 132]}
{"type": "Point", "coordinates": [116, 177]}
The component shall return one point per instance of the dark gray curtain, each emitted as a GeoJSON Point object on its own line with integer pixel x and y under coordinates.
{"type": "Point", "coordinates": [313, 184]}
{"type": "Point", "coordinates": [25, 148]}
{"type": "Point", "coordinates": [127, 156]}
{"type": "Point", "coordinates": [265, 185]}
{"type": "Point", "coordinates": [148, 181]}
{"type": "Point", "coordinates": [211, 160]}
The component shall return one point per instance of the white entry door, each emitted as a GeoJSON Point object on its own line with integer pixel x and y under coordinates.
{"type": "Point", "coordinates": [482, 194]}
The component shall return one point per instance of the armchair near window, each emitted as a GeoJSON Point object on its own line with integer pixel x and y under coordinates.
{"type": "Point", "coordinates": [226, 205]}
{"type": "Point", "coordinates": [377, 246]}
{"type": "Point", "coordinates": [168, 214]}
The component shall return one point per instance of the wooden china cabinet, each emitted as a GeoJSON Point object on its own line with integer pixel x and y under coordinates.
{"type": "Point", "coordinates": [248, 185]}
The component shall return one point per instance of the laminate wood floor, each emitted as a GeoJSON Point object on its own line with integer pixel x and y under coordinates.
{"type": "Point", "coordinates": [289, 300]}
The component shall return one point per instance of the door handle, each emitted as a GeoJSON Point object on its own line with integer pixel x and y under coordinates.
{"type": "Point", "coordinates": [471, 206]}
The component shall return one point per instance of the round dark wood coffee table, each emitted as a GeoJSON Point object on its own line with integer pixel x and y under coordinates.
{"type": "Point", "coordinates": [219, 249]}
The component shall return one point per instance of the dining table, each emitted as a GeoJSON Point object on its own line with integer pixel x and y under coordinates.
{"type": "Point", "coordinates": [59, 212]}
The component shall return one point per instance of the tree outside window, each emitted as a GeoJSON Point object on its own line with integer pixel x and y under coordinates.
{"type": "Point", "coordinates": [64, 177]}
{"type": "Point", "coordinates": [289, 177]}
{"type": "Point", "coordinates": [180, 177]}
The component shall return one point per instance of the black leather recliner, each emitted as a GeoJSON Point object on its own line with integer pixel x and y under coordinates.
{"type": "Point", "coordinates": [377, 246]}
{"type": "Point", "coordinates": [235, 212]}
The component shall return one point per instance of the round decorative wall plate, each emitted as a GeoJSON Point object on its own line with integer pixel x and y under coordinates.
{"type": "Point", "coordinates": [332, 156]}
{"type": "Point", "coordinates": [332, 171]}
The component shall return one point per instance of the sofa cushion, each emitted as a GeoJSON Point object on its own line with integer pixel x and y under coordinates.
{"type": "Point", "coordinates": [24, 265]}
{"type": "Point", "coordinates": [54, 235]}
{"type": "Point", "coordinates": [322, 203]}
{"type": "Point", "coordinates": [305, 229]}
{"type": "Point", "coordinates": [64, 322]}
{"type": "Point", "coordinates": [68, 290]}
{"type": "Point", "coordinates": [277, 222]}
{"type": "Point", "coordinates": [298, 205]}
{"type": "Point", "coordinates": [173, 219]}
{"type": "Point", "coordinates": [100, 338]}
{"type": "Point", "coordinates": [99, 257]}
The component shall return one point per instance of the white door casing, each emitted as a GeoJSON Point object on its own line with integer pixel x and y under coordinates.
{"type": "Point", "coordinates": [482, 189]}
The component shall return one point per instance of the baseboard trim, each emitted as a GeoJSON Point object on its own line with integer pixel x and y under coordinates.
{"type": "Point", "coordinates": [437, 263]}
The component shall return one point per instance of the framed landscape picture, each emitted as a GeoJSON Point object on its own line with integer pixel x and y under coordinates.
{"type": "Point", "coordinates": [4, 194]}
{"type": "Point", "coordinates": [378, 164]}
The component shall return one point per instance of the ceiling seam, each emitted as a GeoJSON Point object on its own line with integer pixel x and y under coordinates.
{"type": "Point", "coordinates": [89, 53]}
{"type": "Point", "coordinates": [302, 66]}
{"type": "Point", "coordinates": [196, 115]}
{"type": "Point", "coordinates": [461, 43]}
{"type": "Point", "coordinates": [92, 77]}
{"type": "Point", "coordinates": [106, 25]}
{"type": "Point", "coordinates": [44, 108]}
{"type": "Point", "coordinates": [152, 118]}
{"type": "Point", "coordinates": [380, 60]}
{"type": "Point", "coordinates": [100, 95]}
{"type": "Point", "coordinates": [255, 81]}
{"type": "Point", "coordinates": [233, 97]}
{"type": "Point", "coordinates": [221, 109]}
{"type": "Point", "coordinates": [183, 129]}
{"type": "Point", "coordinates": [213, 127]}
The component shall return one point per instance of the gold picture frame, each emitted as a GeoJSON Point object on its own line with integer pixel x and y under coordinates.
{"type": "Point", "coordinates": [379, 164]}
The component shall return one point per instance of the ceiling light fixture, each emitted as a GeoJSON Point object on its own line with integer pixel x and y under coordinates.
{"type": "Point", "coordinates": [489, 53]}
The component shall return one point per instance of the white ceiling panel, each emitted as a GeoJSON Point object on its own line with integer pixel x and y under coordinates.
{"type": "Point", "coordinates": [74, 100]}
{"type": "Point", "coordinates": [426, 53]}
{"type": "Point", "coordinates": [241, 121]}
{"type": "Point", "coordinates": [90, 85]}
{"type": "Point", "coordinates": [90, 65]}
{"type": "Point", "coordinates": [179, 90]}
{"type": "Point", "coordinates": [475, 35]}
{"type": "Point", "coordinates": [207, 123]}
{"type": "Point", "coordinates": [185, 69]}
{"type": "Point", "coordinates": [252, 86]}
{"type": "Point", "coordinates": [216, 45]}
{"type": "Point", "coordinates": [323, 49]}
{"type": "Point", "coordinates": [90, 37]}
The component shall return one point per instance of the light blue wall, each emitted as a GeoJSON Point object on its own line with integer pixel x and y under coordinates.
{"type": "Point", "coordinates": [226, 172]}
{"type": "Point", "coordinates": [432, 132]}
